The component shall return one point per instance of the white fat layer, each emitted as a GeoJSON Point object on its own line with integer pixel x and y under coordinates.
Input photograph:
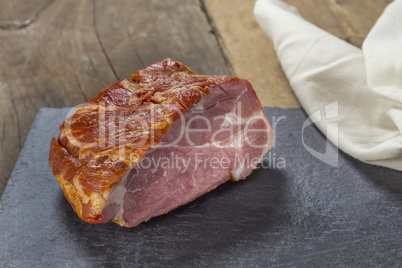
{"type": "Point", "coordinates": [117, 197]}
{"type": "Point", "coordinates": [237, 173]}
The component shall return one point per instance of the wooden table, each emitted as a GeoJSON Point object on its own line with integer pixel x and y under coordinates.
{"type": "Point", "coordinates": [59, 53]}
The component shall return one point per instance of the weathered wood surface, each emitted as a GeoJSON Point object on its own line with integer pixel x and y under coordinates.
{"type": "Point", "coordinates": [60, 53]}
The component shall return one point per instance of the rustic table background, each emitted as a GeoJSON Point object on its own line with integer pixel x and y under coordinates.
{"type": "Point", "coordinates": [57, 53]}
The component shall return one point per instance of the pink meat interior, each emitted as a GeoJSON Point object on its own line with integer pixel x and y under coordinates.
{"type": "Point", "coordinates": [222, 137]}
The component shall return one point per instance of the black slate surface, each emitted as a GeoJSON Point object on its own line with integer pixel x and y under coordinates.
{"type": "Point", "coordinates": [304, 214]}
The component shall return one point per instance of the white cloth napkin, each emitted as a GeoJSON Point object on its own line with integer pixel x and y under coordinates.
{"type": "Point", "coordinates": [359, 90]}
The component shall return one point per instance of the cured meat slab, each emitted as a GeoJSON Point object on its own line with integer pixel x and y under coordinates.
{"type": "Point", "coordinates": [212, 127]}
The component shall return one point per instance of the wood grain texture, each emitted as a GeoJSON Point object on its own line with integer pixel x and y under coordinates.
{"type": "Point", "coordinates": [251, 51]}
{"type": "Point", "coordinates": [21, 13]}
{"type": "Point", "coordinates": [70, 50]}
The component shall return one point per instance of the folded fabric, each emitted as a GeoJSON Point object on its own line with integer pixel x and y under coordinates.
{"type": "Point", "coordinates": [361, 89]}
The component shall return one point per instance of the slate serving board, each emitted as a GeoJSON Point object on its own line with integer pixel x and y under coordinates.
{"type": "Point", "coordinates": [298, 211]}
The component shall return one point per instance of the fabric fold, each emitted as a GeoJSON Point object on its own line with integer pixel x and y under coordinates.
{"type": "Point", "coordinates": [323, 70]}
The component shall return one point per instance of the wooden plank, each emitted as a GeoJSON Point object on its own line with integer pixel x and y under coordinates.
{"type": "Point", "coordinates": [149, 31]}
{"type": "Point", "coordinates": [73, 49]}
{"type": "Point", "coordinates": [51, 60]}
{"type": "Point", "coordinates": [251, 52]}
{"type": "Point", "coordinates": [20, 14]}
